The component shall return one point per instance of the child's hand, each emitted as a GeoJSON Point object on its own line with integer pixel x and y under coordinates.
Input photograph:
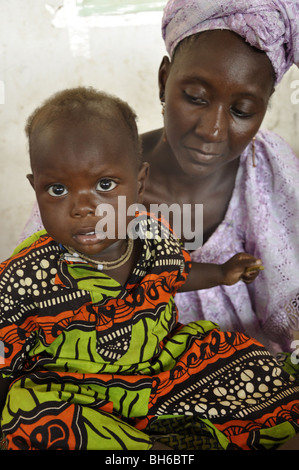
{"type": "Point", "coordinates": [243, 267]}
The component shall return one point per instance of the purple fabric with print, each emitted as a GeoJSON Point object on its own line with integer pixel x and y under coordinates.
{"type": "Point", "coordinates": [262, 219]}
{"type": "Point", "coordinates": [269, 25]}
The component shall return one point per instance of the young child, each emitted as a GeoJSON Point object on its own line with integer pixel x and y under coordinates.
{"type": "Point", "coordinates": [94, 356]}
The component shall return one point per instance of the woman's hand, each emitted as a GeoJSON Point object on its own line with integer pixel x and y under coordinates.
{"type": "Point", "coordinates": [241, 266]}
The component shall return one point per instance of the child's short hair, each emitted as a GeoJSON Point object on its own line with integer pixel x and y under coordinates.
{"type": "Point", "coordinates": [79, 104]}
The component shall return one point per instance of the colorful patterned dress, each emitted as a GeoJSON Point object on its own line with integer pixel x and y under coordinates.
{"type": "Point", "coordinates": [98, 365]}
{"type": "Point", "coordinates": [261, 219]}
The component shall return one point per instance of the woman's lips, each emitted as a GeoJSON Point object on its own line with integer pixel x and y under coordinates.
{"type": "Point", "coordinates": [202, 157]}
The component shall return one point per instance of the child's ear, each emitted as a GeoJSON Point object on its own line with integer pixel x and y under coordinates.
{"type": "Point", "coordinates": [142, 177]}
{"type": "Point", "coordinates": [30, 178]}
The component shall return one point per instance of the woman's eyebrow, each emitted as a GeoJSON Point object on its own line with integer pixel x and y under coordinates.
{"type": "Point", "coordinates": [250, 95]}
{"type": "Point", "coordinates": [198, 80]}
{"type": "Point", "coordinates": [195, 79]}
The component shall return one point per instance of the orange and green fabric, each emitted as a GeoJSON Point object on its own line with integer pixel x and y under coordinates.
{"type": "Point", "coordinates": [98, 365]}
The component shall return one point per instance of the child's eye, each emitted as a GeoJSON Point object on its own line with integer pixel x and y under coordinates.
{"type": "Point", "coordinates": [106, 184]}
{"type": "Point", "coordinates": [57, 190]}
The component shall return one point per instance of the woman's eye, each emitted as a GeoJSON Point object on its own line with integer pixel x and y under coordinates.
{"type": "Point", "coordinates": [195, 97]}
{"type": "Point", "coordinates": [244, 112]}
{"type": "Point", "coordinates": [57, 190]}
{"type": "Point", "coordinates": [106, 184]}
{"type": "Point", "coordinates": [239, 113]}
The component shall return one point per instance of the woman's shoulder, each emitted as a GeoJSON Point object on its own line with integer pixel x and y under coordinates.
{"type": "Point", "coordinates": [276, 162]}
{"type": "Point", "coordinates": [274, 151]}
{"type": "Point", "coordinates": [273, 182]}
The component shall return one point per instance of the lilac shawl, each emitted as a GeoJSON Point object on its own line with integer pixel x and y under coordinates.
{"type": "Point", "coordinates": [269, 25]}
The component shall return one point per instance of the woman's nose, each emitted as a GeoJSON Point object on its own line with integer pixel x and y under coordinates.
{"type": "Point", "coordinates": [212, 125]}
{"type": "Point", "coordinates": [83, 204]}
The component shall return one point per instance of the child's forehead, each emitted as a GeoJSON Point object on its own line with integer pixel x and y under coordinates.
{"type": "Point", "coordinates": [66, 137]}
{"type": "Point", "coordinates": [82, 127]}
{"type": "Point", "coordinates": [69, 118]}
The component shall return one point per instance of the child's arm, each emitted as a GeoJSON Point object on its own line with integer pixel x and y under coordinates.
{"type": "Point", "coordinates": [242, 266]}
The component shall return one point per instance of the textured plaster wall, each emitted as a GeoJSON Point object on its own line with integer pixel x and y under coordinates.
{"type": "Point", "coordinates": [44, 49]}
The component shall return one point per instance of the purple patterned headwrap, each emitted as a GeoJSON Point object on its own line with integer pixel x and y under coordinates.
{"type": "Point", "coordinates": [269, 25]}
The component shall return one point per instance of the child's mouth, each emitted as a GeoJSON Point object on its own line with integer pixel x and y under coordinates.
{"type": "Point", "coordinates": [86, 237]}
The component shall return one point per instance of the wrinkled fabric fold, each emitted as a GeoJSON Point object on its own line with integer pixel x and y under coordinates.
{"type": "Point", "coordinates": [269, 25]}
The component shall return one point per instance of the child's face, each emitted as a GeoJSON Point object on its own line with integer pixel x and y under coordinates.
{"type": "Point", "coordinates": [75, 169]}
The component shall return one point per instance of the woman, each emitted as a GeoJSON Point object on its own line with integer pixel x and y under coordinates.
{"type": "Point", "coordinates": [226, 58]}
{"type": "Point", "coordinates": [215, 91]}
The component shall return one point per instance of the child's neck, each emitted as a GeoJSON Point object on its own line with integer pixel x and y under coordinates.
{"type": "Point", "coordinates": [123, 273]}
{"type": "Point", "coordinates": [120, 269]}
{"type": "Point", "coordinates": [103, 265]}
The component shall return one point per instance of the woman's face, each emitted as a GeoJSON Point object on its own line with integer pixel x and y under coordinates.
{"type": "Point", "coordinates": [216, 93]}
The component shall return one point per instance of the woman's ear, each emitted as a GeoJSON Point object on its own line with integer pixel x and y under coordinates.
{"type": "Point", "coordinates": [142, 177]}
{"type": "Point", "coordinates": [30, 178]}
{"type": "Point", "coordinates": [163, 75]}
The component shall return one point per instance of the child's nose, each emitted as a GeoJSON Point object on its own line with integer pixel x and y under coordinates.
{"type": "Point", "coordinates": [83, 204]}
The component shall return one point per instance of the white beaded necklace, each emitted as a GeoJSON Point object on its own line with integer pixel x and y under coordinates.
{"type": "Point", "coordinates": [105, 265]}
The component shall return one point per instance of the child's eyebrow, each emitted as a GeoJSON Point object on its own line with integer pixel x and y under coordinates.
{"type": "Point", "coordinates": [97, 173]}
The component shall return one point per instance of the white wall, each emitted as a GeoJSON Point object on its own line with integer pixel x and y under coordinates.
{"type": "Point", "coordinates": [42, 50]}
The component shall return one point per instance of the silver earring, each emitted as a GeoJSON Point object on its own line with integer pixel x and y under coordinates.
{"type": "Point", "coordinates": [163, 108]}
